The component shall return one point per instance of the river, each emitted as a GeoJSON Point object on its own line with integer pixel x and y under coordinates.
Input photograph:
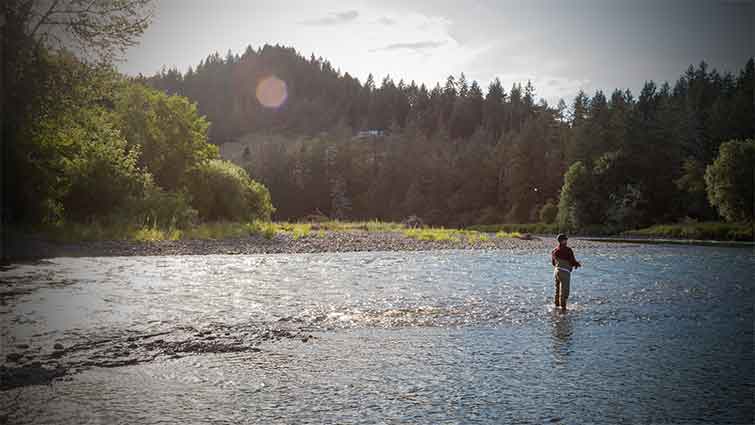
{"type": "Point", "coordinates": [654, 334]}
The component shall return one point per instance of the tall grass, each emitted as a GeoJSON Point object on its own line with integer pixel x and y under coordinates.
{"type": "Point", "coordinates": [516, 228]}
{"type": "Point", "coordinates": [369, 226]}
{"type": "Point", "coordinates": [507, 235]}
{"type": "Point", "coordinates": [702, 230]}
{"type": "Point", "coordinates": [94, 231]}
{"type": "Point", "coordinates": [443, 234]}
{"type": "Point", "coordinates": [433, 234]}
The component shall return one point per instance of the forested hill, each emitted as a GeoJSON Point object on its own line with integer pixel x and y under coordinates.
{"type": "Point", "coordinates": [321, 98]}
{"type": "Point", "coordinates": [458, 154]}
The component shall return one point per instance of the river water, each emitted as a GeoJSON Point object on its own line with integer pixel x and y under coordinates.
{"type": "Point", "coordinates": [655, 334]}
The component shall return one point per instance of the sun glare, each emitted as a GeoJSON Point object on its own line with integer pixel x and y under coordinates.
{"type": "Point", "coordinates": [272, 92]}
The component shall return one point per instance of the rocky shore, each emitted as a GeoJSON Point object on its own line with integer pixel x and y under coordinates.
{"type": "Point", "coordinates": [26, 364]}
{"type": "Point", "coordinates": [331, 241]}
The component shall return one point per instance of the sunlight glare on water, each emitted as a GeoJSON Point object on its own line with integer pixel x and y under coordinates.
{"type": "Point", "coordinates": [654, 334]}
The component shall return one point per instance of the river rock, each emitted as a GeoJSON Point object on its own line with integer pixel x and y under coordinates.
{"type": "Point", "coordinates": [13, 357]}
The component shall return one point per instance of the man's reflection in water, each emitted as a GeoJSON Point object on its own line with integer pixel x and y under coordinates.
{"type": "Point", "coordinates": [562, 327]}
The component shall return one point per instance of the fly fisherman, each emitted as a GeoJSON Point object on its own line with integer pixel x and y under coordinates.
{"type": "Point", "coordinates": [562, 258]}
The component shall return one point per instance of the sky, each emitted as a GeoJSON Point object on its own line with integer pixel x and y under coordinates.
{"type": "Point", "coordinates": [562, 46]}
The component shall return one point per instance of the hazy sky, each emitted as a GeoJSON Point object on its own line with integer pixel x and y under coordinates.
{"type": "Point", "coordinates": [561, 45]}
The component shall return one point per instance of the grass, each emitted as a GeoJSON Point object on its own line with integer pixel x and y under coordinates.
{"type": "Point", "coordinates": [80, 232]}
{"type": "Point", "coordinates": [700, 231]}
{"type": "Point", "coordinates": [369, 226]}
{"type": "Point", "coordinates": [516, 228]}
{"type": "Point", "coordinates": [75, 232]}
{"type": "Point", "coordinates": [503, 234]}
{"type": "Point", "coordinates": [433, 234]}
{"type": "Point", "coordinates": [443, 234]}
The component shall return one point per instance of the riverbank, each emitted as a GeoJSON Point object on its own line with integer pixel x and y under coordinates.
{"type": "Point", "coordinates": [284, 242]}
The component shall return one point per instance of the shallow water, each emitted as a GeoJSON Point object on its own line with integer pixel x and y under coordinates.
{"type": "Point", "coordinates": [655, 334]}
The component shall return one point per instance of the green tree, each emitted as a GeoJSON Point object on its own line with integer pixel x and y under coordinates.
{"type": "Point", "coordinates": [42, 84]}
{"type": "Point", "coordinates": [549, 212]}
{"type": "Point", "coordinates": [101, 176]}
{"type": "Point", "coordinates": [730, 180]}
{"type": "Point", "coordinates": [576, 204]}
{"type": "Point", "coordinates": [221, 190]}
{"type": "Point", "coordinates": [169, 131]}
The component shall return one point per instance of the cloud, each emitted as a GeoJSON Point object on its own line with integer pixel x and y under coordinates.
{"type": "Point", "coordinates": [549, 87]}
{"type": "Point", "coordinates": [416, 46]}
{"type": "Point", "coordinates": [333, 19]}
{"type": "Point", "coordinates": [386, 21]}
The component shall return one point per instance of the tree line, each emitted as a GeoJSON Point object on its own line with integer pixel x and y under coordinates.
{"type": "Point", "coordinates": [456, 155]}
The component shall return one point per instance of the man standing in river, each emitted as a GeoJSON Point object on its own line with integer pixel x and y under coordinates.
{"type": "Point", "coordinates": [562, 258]}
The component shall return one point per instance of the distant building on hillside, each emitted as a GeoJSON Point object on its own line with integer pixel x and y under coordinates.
{"type": "Point", "coordinates": [365, 134]}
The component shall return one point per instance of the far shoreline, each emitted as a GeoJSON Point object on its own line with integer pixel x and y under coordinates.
{"type": "Point", "coordinates": [31, 249]}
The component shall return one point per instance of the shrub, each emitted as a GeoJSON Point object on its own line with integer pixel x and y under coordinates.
{"type": "Point", "coordinates": [548, 212]}
{"type": "Point", "coordinates": [165, 209]}
{"type": "Point", "coordinates": [168, 129]}
{"type": "Point", "coordinates": [221, 190]}
{"type": "Point", "coordinates": [729, 180]}
{"type": "Point", "coordinates": [102, 177]}
{"type": "Point", "coordinates": [413, 222]}
{"type": "Point", "coordinates": [694, 230]}
{"type": "Point", "coordinates": [540, 228]}
{"type": "Point", "coordinates": [577, 206]}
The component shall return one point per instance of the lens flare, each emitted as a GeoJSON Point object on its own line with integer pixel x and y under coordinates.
{"type": "Point", "coordinates": [272, 92]}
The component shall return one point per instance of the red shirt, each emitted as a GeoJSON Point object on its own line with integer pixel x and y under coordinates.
{"type": "Point", "coordinates": [564, 253]}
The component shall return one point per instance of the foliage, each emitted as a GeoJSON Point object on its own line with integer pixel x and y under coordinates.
{"type": "Point", "coordinates": [574, 209]}
{"type": "Point", "coordinates": [159, 208]}
{"type": "Point", "coordinates": [452, 154]}
{"type": "Point", "coordinates": [507, 235]}
{"type": "Point", "coordinates": [548, 212]}
{"type": "Point", "coordinates": [433, 234]}
{"type": "Point", "coordinates": [98, 28]}
{"type": "Point", "coordinates": [45, 86]}
{"type": "Point", "coordinates": [153, 234]}
{"type": "Point", "coordinates": [457, 155]}
{"type": "Point", "coordinates": [443, 234]}
{"type": "Point", "coordinates": [101, 174]}
{"type": "Point", "coordinates": [699, 231]}
{"type": "Point", "coordinates": [517, 229]}
{"type": "Point", "coordinates": [221, 190]}
{"type": "Point", "coordinates": [169, 131]}
{"type": "Point", "coordinates": [226, 229]}
{"type": "Point", "coordinates": [730, 180]}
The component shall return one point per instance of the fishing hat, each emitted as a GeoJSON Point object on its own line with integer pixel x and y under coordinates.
{"type": "Point", "coordinates": [561, 237]}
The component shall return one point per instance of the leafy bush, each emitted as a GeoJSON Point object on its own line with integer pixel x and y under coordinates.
{"type": "Point", "coordinates": [626, 207]}
{"type": "Point", "coordinates": [164, 209]}
{"type": "Point", "coordinates": [433, 234]}
{"type": "Point", "coordinates": [730, 180]}
{"type": "Point", "coordinates": [102, 176]}
{"type": "Point", "coordinates": [169, 130]}
{"type": "Point", "coordinates": [573, 206]}
{"type": "Point", "coordinates": [540, 228]}
{"type": "Point", "coordinates": [548, 212]}
{"type": "Point", "coordinates": [221, 190]}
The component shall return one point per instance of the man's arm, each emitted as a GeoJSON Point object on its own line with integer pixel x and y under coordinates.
{"type": "Point", "coordinates": [574, 261]}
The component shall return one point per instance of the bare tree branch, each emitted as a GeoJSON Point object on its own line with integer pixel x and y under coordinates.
{"type": "Point", "coordinates": [99, 27]}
